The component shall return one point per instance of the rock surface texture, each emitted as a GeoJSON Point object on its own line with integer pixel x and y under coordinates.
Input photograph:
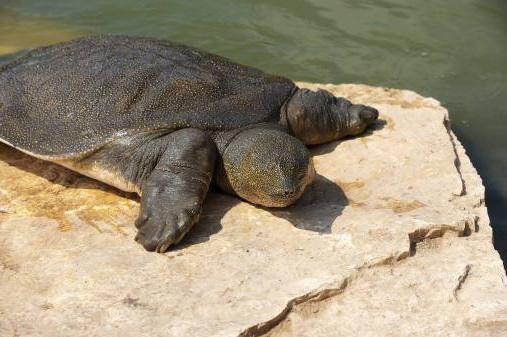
{"type": "Point", "coordinates": [392, 239]}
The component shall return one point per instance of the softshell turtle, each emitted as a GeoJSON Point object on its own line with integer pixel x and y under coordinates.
{"type": "Point", "coordinates": [166, 120]}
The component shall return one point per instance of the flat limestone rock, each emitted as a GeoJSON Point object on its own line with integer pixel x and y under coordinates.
{"type": "Point", "coordinates": [392, 239]}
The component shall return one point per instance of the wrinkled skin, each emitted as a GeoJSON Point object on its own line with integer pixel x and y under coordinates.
{"type": "Point", "coordinates": [166, 121]}
{"type": "Point", "coordinates": [319, 117]}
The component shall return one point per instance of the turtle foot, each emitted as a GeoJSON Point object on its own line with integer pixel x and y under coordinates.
{"type": "Point", "coordinates": [159, 233]}
{"type": "Point", "coordinates": [167, 211]}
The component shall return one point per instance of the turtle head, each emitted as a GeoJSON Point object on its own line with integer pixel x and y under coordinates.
{"type": "Point", "coordinates": [267, 167]}
{"type": "Point", "coordinates": [317, 117]}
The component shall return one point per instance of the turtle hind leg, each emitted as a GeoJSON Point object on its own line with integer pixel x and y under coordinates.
{"type": "Point", "coordinates": [173, 193]}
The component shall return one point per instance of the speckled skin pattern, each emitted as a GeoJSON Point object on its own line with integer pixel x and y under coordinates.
{"type": "Point", "coordinates": [166, 120]}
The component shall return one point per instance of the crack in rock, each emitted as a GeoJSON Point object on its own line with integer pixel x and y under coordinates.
{"type": "Point", "coordinates": [337, 288]}
{"type": "Point", "coordinates": [457, 161]}
{"type": "Point", "coordinates": [438, 231]}
{"type": "Point", "coordinates": [317, 295]}
{"type": "Point", "coordinates": [415, 237]}
{"type": "Point", "coordinates": [461, 279]}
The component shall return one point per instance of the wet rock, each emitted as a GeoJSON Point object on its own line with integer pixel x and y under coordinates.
{"type": "Point", "coordinates": [392, 239]}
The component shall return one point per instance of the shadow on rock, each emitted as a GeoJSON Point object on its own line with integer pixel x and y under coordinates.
{"type": "Point", "coordinates": [56, 174]}
{"type": "Point", "coordinates": [322, 149]}
{"type": "Point", "coordinates": [215, 207]}
{"type": "Point", "coordinates": [315, 211]}
{"type": "Point", "coordinates": [317, 208]}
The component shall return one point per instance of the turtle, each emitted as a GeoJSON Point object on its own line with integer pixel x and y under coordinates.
{"type": "Point", "coordinates": [166, 121]}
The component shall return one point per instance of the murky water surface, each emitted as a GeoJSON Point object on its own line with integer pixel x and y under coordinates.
{"type": "Point", "coordinates": [454, 50]}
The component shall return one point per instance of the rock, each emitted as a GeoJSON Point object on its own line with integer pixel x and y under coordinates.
{"type": "Point", "coordinates": [393, 239]}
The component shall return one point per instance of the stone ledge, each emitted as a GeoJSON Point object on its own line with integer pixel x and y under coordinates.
{"type": "Point", "coordinates": [393, 238]}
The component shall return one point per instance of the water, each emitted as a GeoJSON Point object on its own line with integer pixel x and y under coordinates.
{"type": "Point", "coordinates": [454, 50]}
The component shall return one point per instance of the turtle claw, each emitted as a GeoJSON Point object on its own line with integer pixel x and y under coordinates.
{"type": "Point", "coordinates": [160, 235]}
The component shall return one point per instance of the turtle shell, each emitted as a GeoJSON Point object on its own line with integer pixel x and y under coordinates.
{"type": "Point", "coordinates": [71, 98]}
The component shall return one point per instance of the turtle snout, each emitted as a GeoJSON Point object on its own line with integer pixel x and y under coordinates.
{"type": "Point", "coordinates": [360, 117]}
{"type": "Point", "coordinates": [287, 192]}
{"type": "Point", "coordinates": [368, 115]}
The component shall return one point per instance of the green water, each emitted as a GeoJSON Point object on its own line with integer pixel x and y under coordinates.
{"type": "Point", "coordinates": [454, 50]}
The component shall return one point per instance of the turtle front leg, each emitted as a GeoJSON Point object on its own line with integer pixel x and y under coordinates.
{"type": "Point", "coordinates": [173, 194]}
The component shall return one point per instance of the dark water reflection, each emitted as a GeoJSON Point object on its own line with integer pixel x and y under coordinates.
{"type": "Point", "coordinates": [452, 50]}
